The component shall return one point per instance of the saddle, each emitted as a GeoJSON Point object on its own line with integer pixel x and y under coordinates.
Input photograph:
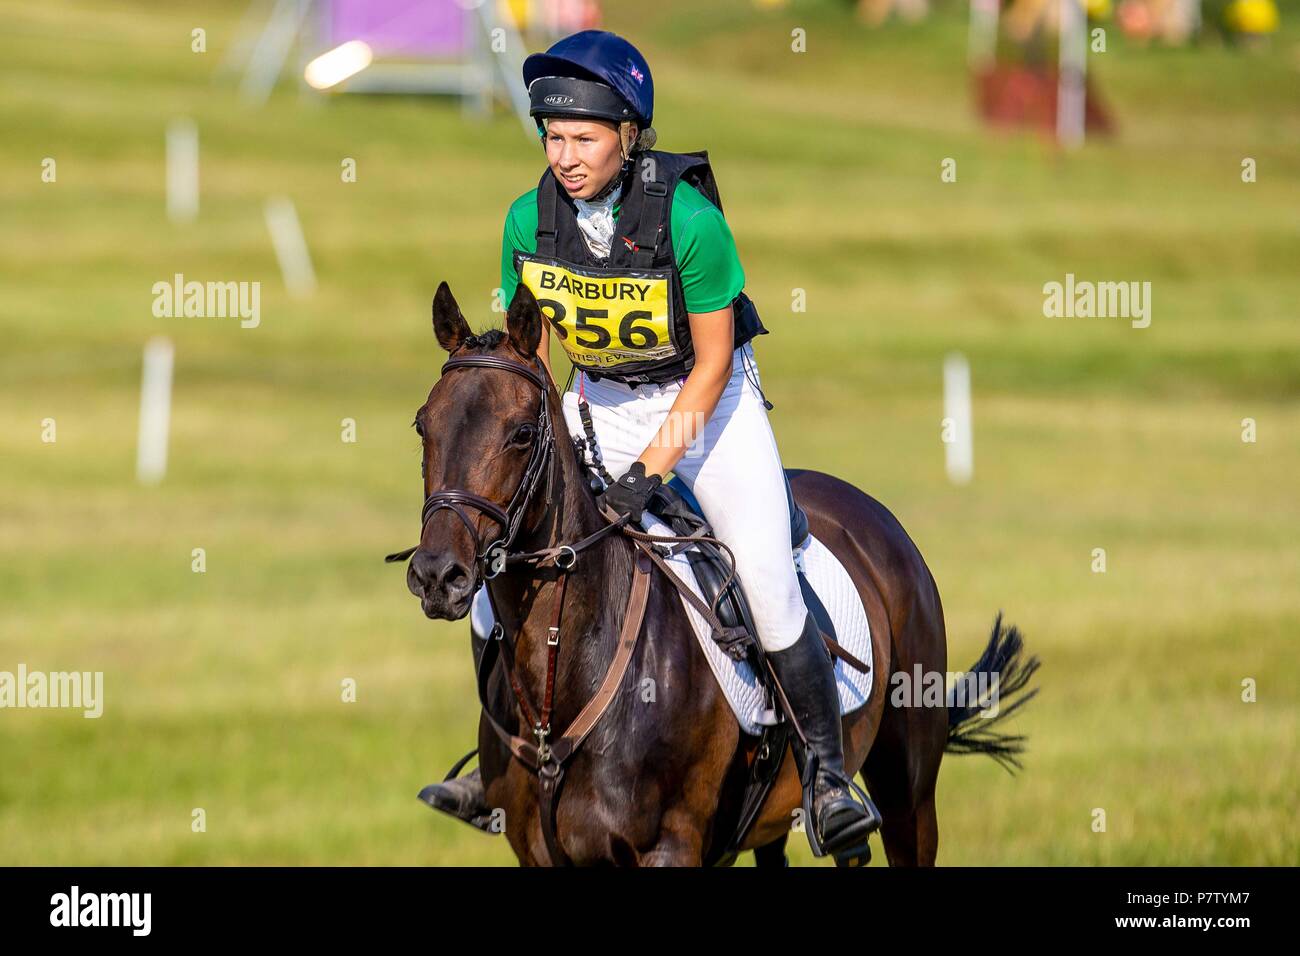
{"type": "Point", "coordinates": [675, 505]}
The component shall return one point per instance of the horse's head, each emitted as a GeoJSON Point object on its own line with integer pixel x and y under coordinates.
{"type": "Point", "coordinates": [484, 429]}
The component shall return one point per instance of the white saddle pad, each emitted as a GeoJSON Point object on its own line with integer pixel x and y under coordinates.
{"type": "Point", "coordinates": [833, 586]}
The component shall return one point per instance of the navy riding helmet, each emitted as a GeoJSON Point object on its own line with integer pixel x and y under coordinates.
{"type": "Point", "coordinates": [594, 73]}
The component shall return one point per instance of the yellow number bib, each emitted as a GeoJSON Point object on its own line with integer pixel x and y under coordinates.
{"type": "Point", "coordinates": [605, 317]}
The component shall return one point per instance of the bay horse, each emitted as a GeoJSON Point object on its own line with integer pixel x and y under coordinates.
{"type": "Point", "coordinates": [655, 779]}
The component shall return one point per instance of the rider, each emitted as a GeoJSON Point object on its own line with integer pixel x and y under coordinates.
{"type": "Point", "coordinates": [637, 273]}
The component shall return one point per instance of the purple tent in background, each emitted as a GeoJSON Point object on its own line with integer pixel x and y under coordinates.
{"type": "Point", "coordinates": [400, 27]}
{"type": "Point", "coordinates": [420, 47]}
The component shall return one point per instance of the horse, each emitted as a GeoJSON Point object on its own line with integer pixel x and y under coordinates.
{"type": "Point", "coordinates": [650, 778]}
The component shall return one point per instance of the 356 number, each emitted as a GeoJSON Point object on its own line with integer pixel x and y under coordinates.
{"type": "Point", "coordinates": [630, 335]}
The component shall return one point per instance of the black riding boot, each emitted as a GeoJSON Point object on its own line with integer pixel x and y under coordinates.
{"type": "Point", "coordinates": [839, 824]}
{"type": "Point", "coordinates": [462, 798]}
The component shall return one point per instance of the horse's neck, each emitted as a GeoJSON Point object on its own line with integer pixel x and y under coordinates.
{"type": "Point", "coordinates": [594, 597]}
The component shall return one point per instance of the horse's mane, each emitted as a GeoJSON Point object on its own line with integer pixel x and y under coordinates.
{"type": "Point", "coordinates": [484, 341]}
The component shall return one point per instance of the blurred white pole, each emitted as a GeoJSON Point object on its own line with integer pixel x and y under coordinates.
{"type": "Point", "coordinates": [982, 41]}
{"type": "Point", "coordinates": [290, 246]}
{"type": "Point", "coordinates": [1073, 65]}
{"type": "Point", "coordinates": [494, 21]}
{"type": "Point", "coordinates": [155, 411]}
{"type": "Point", "coordinates": [272, 49]}
{"type": "Point", "coordinates": [182, 170]}
{"type": "Point", "coordinates": [958, 453]}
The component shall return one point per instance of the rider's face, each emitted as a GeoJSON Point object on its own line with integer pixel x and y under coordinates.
{"type": "Point", "coordinates": [584, 155]}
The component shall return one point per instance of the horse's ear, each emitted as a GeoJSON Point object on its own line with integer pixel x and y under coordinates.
{"type": "Point", "coordinates": [524, 322]}
{"type": "Point", "coordinates": [448, 324]}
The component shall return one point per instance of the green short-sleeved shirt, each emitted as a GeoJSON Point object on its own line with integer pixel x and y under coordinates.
{"type": "Point", "coordinates": [702, 245]}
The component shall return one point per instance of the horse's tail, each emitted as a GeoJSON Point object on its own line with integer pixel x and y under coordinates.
{"type": "Point", "coordinates": [997, 680]}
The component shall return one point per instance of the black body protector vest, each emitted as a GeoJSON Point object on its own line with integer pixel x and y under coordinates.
{"type": "Point", "coordinates": [624, 317]}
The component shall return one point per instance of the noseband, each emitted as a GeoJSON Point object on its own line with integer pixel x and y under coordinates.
{"type": "Point", "coordinates": [492, 559]}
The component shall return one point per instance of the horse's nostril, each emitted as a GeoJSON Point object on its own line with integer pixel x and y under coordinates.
{"type": "Point", "coordinates": [440, 572]}
{"type": "Point", "coordinates": [455, 579]}
{"type": "Point", "coordinates": [422, 566]}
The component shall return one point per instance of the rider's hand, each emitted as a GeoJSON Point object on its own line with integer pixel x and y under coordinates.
{"type": "Point", "coordinates": [630, 494]}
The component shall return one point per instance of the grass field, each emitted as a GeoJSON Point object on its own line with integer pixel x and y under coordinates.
{"type": "Point", "coordinates": [223, 688]}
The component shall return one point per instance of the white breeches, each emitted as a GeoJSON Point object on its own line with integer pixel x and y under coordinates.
{"type": "Point", "coordinates": [734, 471]}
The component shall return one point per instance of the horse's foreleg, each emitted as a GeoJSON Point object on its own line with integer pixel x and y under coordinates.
{"type": "Point", "coordinates": [672, 853]}
{"type": "Point", "coordinates": [681, 842]}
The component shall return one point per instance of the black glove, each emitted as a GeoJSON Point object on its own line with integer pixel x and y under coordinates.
{"type": "Point", "coordinates": [631, 493]}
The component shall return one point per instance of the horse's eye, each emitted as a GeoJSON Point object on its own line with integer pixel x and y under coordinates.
{"type": "Point", "coordinates": [418, 426]}
{"type": "Point", "coordinates": [524, 435]}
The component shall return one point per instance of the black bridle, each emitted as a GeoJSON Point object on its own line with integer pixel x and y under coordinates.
{"type": "Point", "coordinates": [493, 559]}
